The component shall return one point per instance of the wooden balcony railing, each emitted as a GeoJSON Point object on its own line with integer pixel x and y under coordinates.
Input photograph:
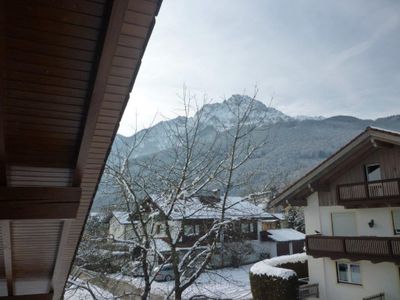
{"type": "Point", "coordinates": [375, 249]}
{"type": "Point", "coordinates": [375, 297]}
{"type": "Point", "coordinates": [308, 290]}
{"type": "Point", "coordinates": [369, 193]}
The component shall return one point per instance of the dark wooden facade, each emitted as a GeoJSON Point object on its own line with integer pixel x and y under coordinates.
{"type": "Point", "coordinates": [67, 68]}
{"type": "Point", "coordinates": [349, 187]}
{"type": "Point", "coordinates": [232, 234]}
{"type": "Point", "coordinates": [341, 179]}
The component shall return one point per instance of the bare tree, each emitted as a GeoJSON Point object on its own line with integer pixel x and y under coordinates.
{"type": "Point", "coordinates": [154, 188]}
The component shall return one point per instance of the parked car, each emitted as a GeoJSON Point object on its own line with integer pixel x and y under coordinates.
{"type": "Point", "coordinates": [164, 273]}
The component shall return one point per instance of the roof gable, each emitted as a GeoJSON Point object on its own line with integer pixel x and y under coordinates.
{"type": "Point", "coordinates": [367, 141]}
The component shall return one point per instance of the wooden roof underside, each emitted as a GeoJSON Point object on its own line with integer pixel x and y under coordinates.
{"type": "Point", "coordinates": [67, 68]}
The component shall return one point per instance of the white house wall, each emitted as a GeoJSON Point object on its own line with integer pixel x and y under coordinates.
{"type": "Point", "coordinates": [312, 215]}
{"type": "Point", "coordinates": [116, 229]}
{"type": "Point", "coordinates": [376, 278]}
{"type": "Point", "coordinates": [318, 218]}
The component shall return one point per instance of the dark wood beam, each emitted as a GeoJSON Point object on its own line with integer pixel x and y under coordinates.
{"type": "Point", "coordinates": [110, 44]}
{"type": "Point", "coordinates": [318, 187]}
{"type": "Point", "coordinates": [61, 250]}
{"type": "Point", "coordinates": [7, 254]}
{"type": "Point", "coordinates": [380, 144]}
{"type": "Point", "coordinates": [39, 202]}
{"type": "Point", "coordinates": [3, 175]}
{"type": "Point", "coordinates": [29, 297]}
{"type": "Point", "coordinates": [298, 202]}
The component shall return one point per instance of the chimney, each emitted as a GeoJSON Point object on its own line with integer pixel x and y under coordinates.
{"type": "Point", "coordinates": [216, 194]}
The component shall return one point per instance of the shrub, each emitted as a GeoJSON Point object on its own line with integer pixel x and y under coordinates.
{"type": "Point", "coordinates": [277, 278]}
{"type": "Point", "coordinates": [265, 287]}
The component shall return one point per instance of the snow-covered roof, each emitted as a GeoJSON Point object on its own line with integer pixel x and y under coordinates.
{"type": "Point", "coordinates": [285, 235]}
{"type": "Point", "coordinates": [268, 266]}
{"type": "Point", "coordinates": [280, 216]}
{"type": "Point", "coordinates": [161, 245]}
{"type": "Point", "coordinates": [122, 217]}
{"type": "Point", "coordinates": [193, 208]}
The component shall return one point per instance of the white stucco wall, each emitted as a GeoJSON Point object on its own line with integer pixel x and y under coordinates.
{"type": "Point", "coordinates": [383, 223]}
{"type": "Point", "coordinates": [311, 214]}
{"type": "Point", "coordinates": [376, 278]}
{"type": "Point", "coordinates": [116, 229]}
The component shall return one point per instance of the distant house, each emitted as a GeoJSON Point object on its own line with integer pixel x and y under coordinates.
{"type": "Point", "coordinates": [283, 241]}
{"type": "Point", "coordinates": [251, 225]}
{"type": "Point", "coordinates": [352, 219]}
{"type": "Point", "coordinates": [120, 227]}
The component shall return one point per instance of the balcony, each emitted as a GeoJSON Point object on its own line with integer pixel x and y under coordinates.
{"type": "Point", "coordinates": [376, 297]}
{"type": "Point", "coordinates": [369, 194]}
{"type": "Point", "coordinates": [308, 290]}
{"type": "Point", "coordinates": [374, 249]}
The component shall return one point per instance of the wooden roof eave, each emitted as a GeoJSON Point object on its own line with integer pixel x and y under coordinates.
{"type": "Point", "coordinates": [111, 41]}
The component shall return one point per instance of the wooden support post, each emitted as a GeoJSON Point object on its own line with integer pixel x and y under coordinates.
{"type": "Point", "coordinates": [7, 252]}
{"type": "Point", "coordinates": [61, 249]}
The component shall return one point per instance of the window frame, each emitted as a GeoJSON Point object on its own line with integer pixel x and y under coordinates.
{"type": "Point", "coordinates": [393, 222]}
{"type": "Point", "coordinates": [194, 229]}
{"type": "Point", "coordinates": [159, 229]}
{"type": "Point", "coordinates": [371, 165]}
{"type": "Point", "coordinates": [349, 273]}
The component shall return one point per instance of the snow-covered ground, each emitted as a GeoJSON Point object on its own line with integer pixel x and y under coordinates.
{"type": "Point", "coordinates": [227, 283]}
{"type": "Point", "coordinates": [75, 293]}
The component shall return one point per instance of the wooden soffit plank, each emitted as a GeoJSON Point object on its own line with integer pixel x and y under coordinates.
{"type": "Point", "coordinates": [39, 202]}
{"type": "Point", "coordinates": [116, 22]}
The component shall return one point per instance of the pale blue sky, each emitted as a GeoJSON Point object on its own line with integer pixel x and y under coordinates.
{"type": "Point", "coordinates": [315, 57]}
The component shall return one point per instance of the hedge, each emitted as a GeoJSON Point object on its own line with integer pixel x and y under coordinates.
{"type": "Point", "coordinates": [277, 278]}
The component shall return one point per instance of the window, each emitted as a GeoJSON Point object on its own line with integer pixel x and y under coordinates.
{"type": "Point", "coordinates": [244, 227]}
{"type": "Point", "coordinates": [396, 221]}
{"type": "Point", "coordinates": [348, 273]}
{"type": "Point", "coordinates": [192, 229]}
{"type": "Point", "coordinates": [159, 229]}
{"type": "Point", "coordinates": [373, 172]}
{"type": "Point", "coordinates": [269, 225]}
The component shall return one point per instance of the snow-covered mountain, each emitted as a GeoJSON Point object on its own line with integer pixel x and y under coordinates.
{"type": "Point", "coordinates": [295, 144]}
{"type": "Point", "coordinates": [218, 114]}
{"type": "Point", "coordinates": [215, 116]}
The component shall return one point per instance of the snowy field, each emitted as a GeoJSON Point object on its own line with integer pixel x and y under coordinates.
{"type": "Point", "coordinates": [227, 283]}
{"type": "Point", "coordinates": [82, 294]}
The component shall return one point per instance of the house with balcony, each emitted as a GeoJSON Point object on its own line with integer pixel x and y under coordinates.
{"type": "Point", "coordinates": [192, 218]}
{"type": "Point", "coordinates": [352, 218]}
